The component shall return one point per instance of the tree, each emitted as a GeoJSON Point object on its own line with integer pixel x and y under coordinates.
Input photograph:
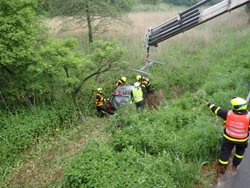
{"type": "Point", "coordinates": [66, 69]}
{"type": "Point", "coordinates": [95, 15]}
{"type": "Point", "coordinates": [18, 38]}
{"type": "Point", "coordinates": [35, 67]}
{"type": "Point", "coordinates": [248, 11]}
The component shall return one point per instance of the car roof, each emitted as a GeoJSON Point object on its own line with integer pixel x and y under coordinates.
{"type": "Point", "coordinates": [121, 95]}
{"type": "Point", "coordinates": [125, 87]}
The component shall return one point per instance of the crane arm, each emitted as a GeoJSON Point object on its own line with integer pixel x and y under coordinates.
{"type": "Point", "coordinates": [188, 19]}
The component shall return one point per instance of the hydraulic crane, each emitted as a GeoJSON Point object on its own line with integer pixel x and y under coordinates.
{"type": "Point", "coordinates": [184, 21]}
{"type": "Point", "coordinates": [188, 19]}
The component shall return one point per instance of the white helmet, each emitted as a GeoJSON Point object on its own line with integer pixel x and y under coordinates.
{"type": "Point", "coordinates": [137, 84]}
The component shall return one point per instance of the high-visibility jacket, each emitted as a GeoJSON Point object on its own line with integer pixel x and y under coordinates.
{"type": "Point", "coordinates": [137, 95]}
{"type": "Point", "coordinates": [237, 126]}
{"type": "Point", "coordinates": [99, 99]}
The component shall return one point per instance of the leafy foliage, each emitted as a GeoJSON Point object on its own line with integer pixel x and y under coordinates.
{"type": "Point", "coordinates": [18, 34]}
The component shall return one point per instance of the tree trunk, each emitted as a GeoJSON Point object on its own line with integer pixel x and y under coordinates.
{"type": "Point", "coordinates": [90, 31]}
{"type": "Point", "coordinates": [248, 11]}
{"type": "Point", "coordinates": [74, 97]}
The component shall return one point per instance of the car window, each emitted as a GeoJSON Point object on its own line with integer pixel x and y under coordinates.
{"type": "Point", "coordinates": [123, 90]}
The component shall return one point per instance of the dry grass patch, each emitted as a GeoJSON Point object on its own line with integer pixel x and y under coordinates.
{"type": "Point", "coordinates": [141, 21]}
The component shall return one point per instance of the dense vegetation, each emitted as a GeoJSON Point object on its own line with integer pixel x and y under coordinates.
{"type": "Point", "coordinates": [47, 86]}
{"type": "Point", "coordinates": [166, 147]}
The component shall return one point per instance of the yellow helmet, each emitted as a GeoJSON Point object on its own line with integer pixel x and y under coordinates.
{"type": "Point", "coordinates": [239, 103]}
{"type": "Point", "coordinates": [138, 77]}
{"type": "Point", "coordinates": [124, 79]}
{"type": "Point", "coordinates": [99, 89]}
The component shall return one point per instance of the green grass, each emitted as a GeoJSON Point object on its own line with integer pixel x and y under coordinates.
{"type": "Point", "coordinates": [184, 129]}
{"type": "Point", "coordinates": [46, 161]}
{"type": "Point", "coordinates": [164, 147]}
{"type": "Point", "coordinates": [24, 129]}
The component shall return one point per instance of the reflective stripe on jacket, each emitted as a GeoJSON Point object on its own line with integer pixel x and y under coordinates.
{"type": "Point", "coordinates": [145, 82]}
{"type": "Point", "coordinates": [237, 126]}
{"type": "Point", "coordinates": [99, 100]}
{"type": "Point", "coordinates": [138, 95]}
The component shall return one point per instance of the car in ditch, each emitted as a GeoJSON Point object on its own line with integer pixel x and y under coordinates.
{"type": "Point", "coordinates": [120, 96]}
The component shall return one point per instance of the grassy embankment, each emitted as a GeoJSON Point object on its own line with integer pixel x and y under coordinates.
{"type": "Point", "coordinates": [166, 147]}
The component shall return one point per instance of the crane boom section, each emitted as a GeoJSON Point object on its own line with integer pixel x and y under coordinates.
{"type": "Point", "coordinates": [188, 19]}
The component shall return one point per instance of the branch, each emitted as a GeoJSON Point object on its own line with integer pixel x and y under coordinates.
{"type": "Point", "coordinates": [85, 79]}
{"type": "Point", "coordinates": [7, 70]}
{"type": "Point", "coordinates": [66, 71]}
{"type": "Point", "coordinates": [99, 71]}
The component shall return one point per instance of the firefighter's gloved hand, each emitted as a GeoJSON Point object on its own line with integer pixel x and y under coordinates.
{"type": "Point", "coordinates": [208, 104]}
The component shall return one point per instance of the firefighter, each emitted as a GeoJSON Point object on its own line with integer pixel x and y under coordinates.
{"type": "Point", "coordinates": [137, 96]}
{"type": "Point", "coordinates": [100, 101]}
{"type": "Point", "coordinates": [236, 132]}
{"type": "Point", "coordinates": [122, 81]}
{"type": "Point", "coordinates": [145, 83]}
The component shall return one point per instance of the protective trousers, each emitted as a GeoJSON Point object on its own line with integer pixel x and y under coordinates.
{"type": "Point", "coordinates": [226, 148]}
{"type": "Point", "coordinates": [139, 105]}
{"type": "Point", "coordinates": [102, 110]}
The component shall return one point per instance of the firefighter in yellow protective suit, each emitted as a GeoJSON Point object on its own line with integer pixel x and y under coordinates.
{"type": "Point", "coordinates": [137, 96]}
